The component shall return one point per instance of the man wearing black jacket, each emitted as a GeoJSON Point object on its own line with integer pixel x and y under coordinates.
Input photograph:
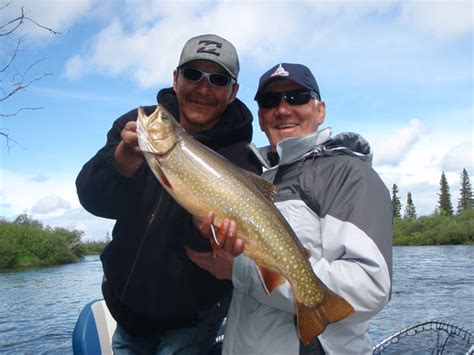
{"type": "Point", "coordinates": [162, 302]}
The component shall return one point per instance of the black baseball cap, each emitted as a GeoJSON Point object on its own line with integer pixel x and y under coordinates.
{"type": "Point", "coordinates": [297, 73]}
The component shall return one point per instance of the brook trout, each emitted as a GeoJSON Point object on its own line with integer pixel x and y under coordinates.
{"type": "Point", "coordinates": [200, 180]}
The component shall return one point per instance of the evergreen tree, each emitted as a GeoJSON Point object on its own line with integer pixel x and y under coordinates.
{"type": "Point", "coordinates": [396, 204]}
{"type": "Point", "coordinates": [444, 202]}
{"type": "Point", "coordinates": [465, 201]}
{"type": "Point", "coordinates": [410, 210]}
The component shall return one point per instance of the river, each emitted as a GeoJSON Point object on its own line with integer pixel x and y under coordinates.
{"type": "Point", "coordinates": [39, 307]}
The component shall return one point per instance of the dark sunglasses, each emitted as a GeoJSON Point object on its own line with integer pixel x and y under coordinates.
{"type": "Point", "coordinates": [293, 97]}
{"type": "Point", "coordinates": [215, 79]}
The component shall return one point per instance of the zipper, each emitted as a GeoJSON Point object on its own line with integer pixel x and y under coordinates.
{"type": "Point", "coordinates": [145, 236]}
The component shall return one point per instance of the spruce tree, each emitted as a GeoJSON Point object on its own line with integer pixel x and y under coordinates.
{"type": "Point", "coordinates": [444, 202]}
{"type": "Point", "coordinates": [410, 210]}
{"type": "Point", "coordinates": [465, 201]}
{"type": "Point", "coordinates": [396, 204]}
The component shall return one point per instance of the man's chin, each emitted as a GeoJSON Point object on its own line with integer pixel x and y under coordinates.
{"type": "Point", "coordinates": [201, 122]}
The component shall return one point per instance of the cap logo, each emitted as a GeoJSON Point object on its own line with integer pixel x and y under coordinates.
{"type": "Point", "coordinates": [280, 71]}
{"type": "Point", "coordinates": [209, 47]}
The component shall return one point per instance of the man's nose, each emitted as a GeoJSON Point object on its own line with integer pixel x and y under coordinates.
{"type": "Point", "coordinates": [283, 108]}
{"type": "Point", "coordinates": [203, 85]}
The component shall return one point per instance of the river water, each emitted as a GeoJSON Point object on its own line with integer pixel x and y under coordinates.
{"type": "Point", "coordinates": [39, 307]}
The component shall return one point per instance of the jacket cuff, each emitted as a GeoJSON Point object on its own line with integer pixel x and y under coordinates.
{"type": "Point", "coordinates": [111, 166]}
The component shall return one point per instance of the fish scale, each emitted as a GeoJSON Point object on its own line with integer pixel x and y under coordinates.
{"type": "Point", "coordinates": [200, 180]}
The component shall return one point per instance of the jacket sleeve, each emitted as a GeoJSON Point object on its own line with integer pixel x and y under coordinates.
{"type": "Point", "coordinates": [356, 234]}
{"type": "Point", "coordinates": [101, 188]}
{"type": "Point", "coordinates": [350, 239]}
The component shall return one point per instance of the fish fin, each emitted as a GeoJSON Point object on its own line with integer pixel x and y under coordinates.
{"type": "Point", "coordinates": [270, 279]}
{"type": "Point", "coordinates": [264, 186]}
{"type": "Point", "coordinates": [313, 320]}
{"type": "Point", "coordinates": [156, 168]}
{"type": "Point", "coordinates": [308, 253]}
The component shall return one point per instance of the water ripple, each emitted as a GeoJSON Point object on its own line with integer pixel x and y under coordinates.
{"type": "Point", "coordinates": [39, 307]}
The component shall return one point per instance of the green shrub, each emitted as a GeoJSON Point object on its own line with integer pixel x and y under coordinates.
{"type": "Point", "coordinates": [25, 242]}
{"type": "Point", "coordinates": [438, 229]}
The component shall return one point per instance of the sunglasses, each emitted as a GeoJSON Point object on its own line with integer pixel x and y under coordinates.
{"type": "Point", "coordinates": [215, 79]}
{"type": "Point", "coordinates": [292, 97]}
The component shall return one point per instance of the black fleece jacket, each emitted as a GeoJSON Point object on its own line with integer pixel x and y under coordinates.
{"type": "Point", "coordinates": [150, 283]}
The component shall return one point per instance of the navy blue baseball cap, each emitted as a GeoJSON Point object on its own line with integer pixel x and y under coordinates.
{"type": "Point", "coordinates": [297, 73]}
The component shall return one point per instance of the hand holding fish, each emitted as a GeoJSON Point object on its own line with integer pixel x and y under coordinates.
{"type": "Point", "coordinates": [218, 262]}
{"type": "Point", "coordinates": [128, 155]}
{"type": "Point", "coordinates": [225, 237]}
{"type": "Point", "coordinates": [202, 181]}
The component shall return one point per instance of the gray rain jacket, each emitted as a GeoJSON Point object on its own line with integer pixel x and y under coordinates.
{"type": "Point", "coordinates": [340, 210]}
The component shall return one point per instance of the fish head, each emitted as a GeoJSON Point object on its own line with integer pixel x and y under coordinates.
{"type": "Point", "coordinates": [157, 133]}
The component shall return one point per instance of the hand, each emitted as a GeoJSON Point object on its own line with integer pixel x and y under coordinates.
{"type": "Point", "coordinates": [226, 234]}
{"type": "Point", "coordinates": [219, 265]}
{"type": "Point", "coordinates": [128, 155]}
{"type": "Point", "coordinates": [219, 262]}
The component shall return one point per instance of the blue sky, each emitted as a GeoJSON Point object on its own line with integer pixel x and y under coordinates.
{"type": "Point", "coordinates": [400, 73]}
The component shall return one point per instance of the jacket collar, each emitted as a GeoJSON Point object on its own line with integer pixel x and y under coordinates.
{"type": "Point", "coordinates": [292, 149]}
{"type": "Point", "coordinates": [318, 143]}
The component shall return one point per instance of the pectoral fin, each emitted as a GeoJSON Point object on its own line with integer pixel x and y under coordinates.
{"type": "Point", "coordinates": [270, 279]}
{"type": "Point", "coordinates": [155, 167]}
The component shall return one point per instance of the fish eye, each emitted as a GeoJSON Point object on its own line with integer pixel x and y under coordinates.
{"type": "Point", "coordinates": [165, 117]}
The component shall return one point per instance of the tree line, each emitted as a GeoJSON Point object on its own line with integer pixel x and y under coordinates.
{"type": "Point", "coordinates": [25, 242]}
{"type": "Point", "coordinates": [444, 225]}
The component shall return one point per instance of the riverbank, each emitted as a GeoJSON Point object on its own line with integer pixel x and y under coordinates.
{"type": "Point", "coordinates": [27, 243]}
{"type": "Point", "coordinates": [435, 230]}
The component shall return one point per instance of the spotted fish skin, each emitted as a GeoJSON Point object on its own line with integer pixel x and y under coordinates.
{"type": "Point", "coordinates": [200, 180]}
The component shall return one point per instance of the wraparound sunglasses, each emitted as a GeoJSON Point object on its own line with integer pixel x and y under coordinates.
{"type": "Point", "coordinates": [292, 97]}
{"type": "Point", "coordinates": [215, 79]}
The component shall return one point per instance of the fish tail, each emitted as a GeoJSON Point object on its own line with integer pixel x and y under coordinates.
{"type": "Point", "coordinates": [313, 320]}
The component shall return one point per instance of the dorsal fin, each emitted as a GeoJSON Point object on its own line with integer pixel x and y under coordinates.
{"type": "Point", "coordinates": [264, 186]}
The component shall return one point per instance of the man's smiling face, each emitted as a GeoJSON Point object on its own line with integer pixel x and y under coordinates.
{"type": "Point", "coordinates": [285, 120]}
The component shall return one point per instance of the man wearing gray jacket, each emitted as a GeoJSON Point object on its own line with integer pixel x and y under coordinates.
{"type": "Point", "coordinates": [338, 207]}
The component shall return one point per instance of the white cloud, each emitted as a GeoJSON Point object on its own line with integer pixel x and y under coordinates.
{"type": "Point", "coordinates": [74, 67]}
{"type": "Point", "coordinates": [38, 178]}
{"type": "Point", "coordinates": [445, 19]}
{"type": "Point", "coordinates": [52, 14]}
{"type": "Point", "coordinates": [52, 200]}
{"type": "Point", "coordinates": [94, 228]}
{"type": "Point", "coordinates": [458, 158]}
{"type": "Point", "coordinates": [392, 147]}
{"type": "Point", "coordinates": [50, 204]}
{"type": "Point", "coordinates": [21, 192]}
{"type": "Point", "coordinates": [145, 42]}
{"type": "Point", "coordinates": [414, 157]}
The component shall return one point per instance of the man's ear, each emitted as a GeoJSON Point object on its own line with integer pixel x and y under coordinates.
{"type": "Point", "coordinates": [175, 79]}
{"type": "Point", "coordinates": [321, 112]}
{"type": "Point", "coordinates": [233, 94]}
{"type": "Point", "coordinates": [260, 121]}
